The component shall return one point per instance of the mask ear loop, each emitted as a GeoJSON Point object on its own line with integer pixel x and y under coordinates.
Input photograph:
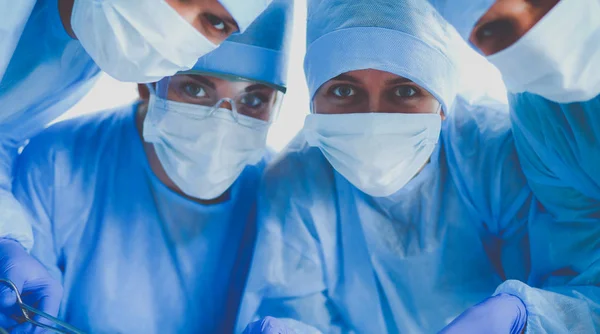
{"type": "Point", "coordinates": [440, 110]}
{"type": "Point", "coordinates": [158, 94]}
{"type": "Point", "coordinates": [151, 89]}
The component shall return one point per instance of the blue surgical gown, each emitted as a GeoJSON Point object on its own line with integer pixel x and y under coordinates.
{"type": "Point", "coordinates": [559, 147]}
{"type": "Point", "coordinates": [133, 256]}
{"type": "Point", "coordinates": [340, 260]}
{"type": "Point", "coordinates": [47, 73]}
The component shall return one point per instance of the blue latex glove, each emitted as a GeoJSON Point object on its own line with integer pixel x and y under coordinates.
{"type": "Point", "coordinates": [35, 285]}
{"type": "Point", "coordinates": [268, 325]}
{"type": "Point", "coordinates": [502, 314]}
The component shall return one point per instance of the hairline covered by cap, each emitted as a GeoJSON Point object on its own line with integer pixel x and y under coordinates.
{"type": "Point", "coordinates": [407, 38]}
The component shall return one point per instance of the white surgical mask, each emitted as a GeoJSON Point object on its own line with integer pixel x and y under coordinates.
{"type": "Point", "coordinates": [202, 152]}
{"type": "Point", "coordinates": [137, 41]}
{"type": "Point", "coordinates": [378, 153]}
{"type": "Point", "coordinates": [559, 58]}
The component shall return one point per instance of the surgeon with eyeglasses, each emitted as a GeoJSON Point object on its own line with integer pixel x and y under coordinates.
{"type": "Point", "coordinates": [52, 52]}
{"type": "Point", "coordinates": [145, 213]}
{"type": "Point", "coordinates": [548, 52]}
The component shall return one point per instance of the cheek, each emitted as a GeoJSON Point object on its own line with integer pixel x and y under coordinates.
{"type": "Point", "coordinates": [321, 105]}
{"type": "Point", "coordinates": [173, 95]}
{"type": "Point", "coordinates": [431, 105]}
{"type": "Point", "coordinates": [419, 105]}
{"type": "Point", "coordinates": [316, 104]}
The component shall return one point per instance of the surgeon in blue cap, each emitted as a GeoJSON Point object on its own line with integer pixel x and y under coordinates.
{"type": "Point", "coordinates": [401, 208]}
{"type": "Point", "coordinates": [52, 52]}
{"type": "Point", "coordinates": [549, 55]}
{"type": "Point", "coordinates": [555, 102]}
{"type": "Point", "coordinates": [145, 214]}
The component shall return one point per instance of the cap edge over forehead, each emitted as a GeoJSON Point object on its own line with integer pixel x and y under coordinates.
{"type": "Point", "coordinates": [268, 66]}
{"type": "Point", "coordinates": [383, 49]}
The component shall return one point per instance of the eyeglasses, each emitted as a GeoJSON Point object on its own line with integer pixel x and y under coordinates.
{"type": "Point", "coordinates": [241, 96]}
{"type": "Point", "coordinates": [29, 312]}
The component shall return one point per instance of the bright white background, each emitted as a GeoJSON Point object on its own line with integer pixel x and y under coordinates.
{"type": "Point", "coordinates": [478, 76]}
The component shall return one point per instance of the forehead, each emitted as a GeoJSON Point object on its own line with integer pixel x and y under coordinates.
{"type": "Point", "coordinates": [215, 79]}
{"type": "Point", "coordinates": [371, 77]}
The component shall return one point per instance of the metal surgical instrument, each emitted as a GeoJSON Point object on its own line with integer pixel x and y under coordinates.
{"type": "Point", "coordinates": [28, 313]}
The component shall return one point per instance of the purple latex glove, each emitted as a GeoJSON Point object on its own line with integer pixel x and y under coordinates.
{"type": "Point", "coordinates": [35, 285]}
{"type": "Point", "coordinates": [268, 325]}
{"type": "Point", "coordinates": [501, 314]}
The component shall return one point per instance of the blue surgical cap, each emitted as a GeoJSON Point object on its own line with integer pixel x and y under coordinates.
{"type": "Point", "coordinates": [245, 11]}
{"type": "Point", "coordinates": [404, 37]}
{"type": "Point", "coordinates": [462, 14]}
{"type": "Point", "coordinates": [261, 53]}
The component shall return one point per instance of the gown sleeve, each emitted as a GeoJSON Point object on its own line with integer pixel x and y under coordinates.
{"type": "Point", "coordinates": [34, 186]}
{"type": "Point", "coordinates": [557, 147]}
{"type": "Point", "coordinates": [14, 18]}
{"type": "Point", "coordinates": [13, 222]}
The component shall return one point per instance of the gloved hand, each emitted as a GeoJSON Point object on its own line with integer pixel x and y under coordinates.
{"type": "Point", "coordinates": [34, 283]}
{"type": "Point", "coordinates": [501, 314]}
{"type": "Point", "coordinates": [268, 325]}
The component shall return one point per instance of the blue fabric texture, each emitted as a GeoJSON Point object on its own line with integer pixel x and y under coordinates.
{"type": "Point", "coordinates": [462, 14]}
{"type": "Point", "coordinates": [407, 38]}
{"type": "Point", "coordinates": [47, 74]}
{"type": "Point", "coordinates": [338, 260]}
{"type": "Point", "coordinates": [14, 19]}
{"type": "Point", "coordinates": [558, 145]}
{"type": "Point", "coordinates": [259, 54]}
{"type": "Point", "coordinates": [133, 256]}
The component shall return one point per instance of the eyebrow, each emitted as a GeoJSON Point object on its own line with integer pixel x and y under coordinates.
{"type": "Point", "coordinates": [396, 81]}
{"type": "Point", "coordinates": [346, 77]}
{"type": "Point", "coordinates": [204, 80]}
{"type": "Point", "coordinates": [257, 87]}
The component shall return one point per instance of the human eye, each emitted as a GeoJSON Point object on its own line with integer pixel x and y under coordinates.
{"type": "Point", "coordinates": [194, 90]}
{"type": "Point", "coordinates": [218, 24]}
{"type": "Point", "coordinates": [494, 36]}
{"type": "Point", "coordinates": [253, 100]}
{"type": "Point", "coordinates": [405, 91]}
{"type": "Point", "coordinates": [343, 91]}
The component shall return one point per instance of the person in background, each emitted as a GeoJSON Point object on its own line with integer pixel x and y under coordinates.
{"type": "Point", "coordinates": [555, 106]}
{"type": "Point", "coordinates": [549, 55]}
{"type": "Point", "coordinates": [401, 208]}
{"type": "Point", "coordinates": [556, 59]}
{"type": "Point", "coordinates": [145, 214]}
{"type": "Point", "coordinates": [51, 53]}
